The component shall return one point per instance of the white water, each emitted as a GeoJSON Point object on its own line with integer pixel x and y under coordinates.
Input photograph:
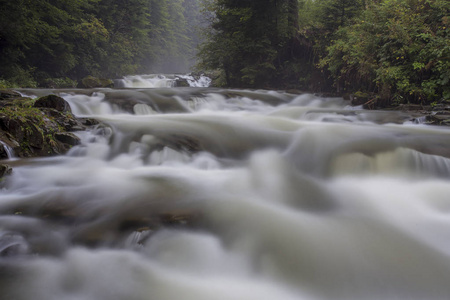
{"type": "Point", "coordinates": [161, 81]}
{"type": "Point", "coordinates": [293, 197]}
{"type": "Point", "coordinates": [8, 150]}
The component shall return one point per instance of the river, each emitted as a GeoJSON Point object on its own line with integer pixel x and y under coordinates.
{"type": "Point", "coordinates": [211, 194]}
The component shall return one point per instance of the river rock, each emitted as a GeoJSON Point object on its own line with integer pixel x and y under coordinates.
{"type": "Point", "coordinates": [3, 152]}
{"type": "Point", "coordinates": [439, 118]}
{"type": "Point", "coordinates": [38, 127]}
{"type": "Point", "coordinates": [94, 82]}
{"type": "Point", "coordinates": [53, 101]}
{"type": "Point", "coordinates": [67, 138]}
{"type": "Point", "coordinates": [9, 94]}
{"type": "Point", "coordinates": [182, 82]}
{"type": "Point", "coordinates": [5, 170]}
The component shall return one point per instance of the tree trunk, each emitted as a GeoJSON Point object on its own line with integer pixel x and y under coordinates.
{"type": "Point", "coordinates": [293, 15]}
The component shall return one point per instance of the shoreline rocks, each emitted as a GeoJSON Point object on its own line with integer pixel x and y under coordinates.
{"type": "Point", "coordinates": [434, 114]}
{"type": "Point", "coordinates": [36, 128]}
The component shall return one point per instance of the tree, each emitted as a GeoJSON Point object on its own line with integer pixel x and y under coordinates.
{"type": "Point", "coordinates": [107, 38]}
{"type": "Point", "coordinates": [399, 49]}
{"type": "Point", "coordinates": [251, 40]}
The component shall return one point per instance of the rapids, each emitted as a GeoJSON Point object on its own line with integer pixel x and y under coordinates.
{"type": "Point", "coordinates": [161, 81]}
{"type": "Point", "coordinates": [271, 195]}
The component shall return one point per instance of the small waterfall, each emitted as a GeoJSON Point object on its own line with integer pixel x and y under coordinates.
{"type": "Point", "coordinates": [162, 81]}
{"type": "Point", "coordinates": [12, 244]}
{"type": "Point", "coordinates": [145, 81]}
{"type": "Point", "coordinates": [195, 81]}
{"type": "Point", "coordinates": [6, 150]}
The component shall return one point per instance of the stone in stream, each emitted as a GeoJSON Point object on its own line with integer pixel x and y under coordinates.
{"type": "Point", "coordinates": [38, 127]}
{"type": "Point", "coordinates": [12, 244]}
{"type": "Point", "coordinates": [94, 82]}
{"type": "Point", "coordinates": [53, 101]}
{"type": "Point", "coordinates": [439, 118]}
{"type": "Point", "coordinates": [5, 170]}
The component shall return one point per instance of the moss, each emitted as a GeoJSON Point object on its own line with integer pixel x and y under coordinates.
{"type": "Point", "coordinates": [360, 94]}
{"type": "Point", "coordinates": [33, 129]}
{"type": "Point", "coordinates": [23, 113]}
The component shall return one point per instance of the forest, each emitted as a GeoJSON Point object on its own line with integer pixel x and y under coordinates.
{"type": "Point", "coordinates": [64, 40]}
{"type": "Point", "coordinates": [395, 51]}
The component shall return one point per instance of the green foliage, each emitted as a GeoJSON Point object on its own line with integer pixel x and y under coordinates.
{"type": "Point", "coordinates": [47, 39]}
{"type": "Point", "coordinates": [398, 48]}
{"type": "Point", "coordinates": [251, 41]}
{"type": "Point", "coordinates": [60, 83]}
{"type": "Point", "coordinates": [395, 48]}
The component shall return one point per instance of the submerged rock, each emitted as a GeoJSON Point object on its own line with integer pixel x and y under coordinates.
{"type": "Point", "coordinates": [12, 244]}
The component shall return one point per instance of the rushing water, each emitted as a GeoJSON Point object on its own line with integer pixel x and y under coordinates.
{"type": "Point", "coordinates": [207, 194]}
{"type": "Point", "coordinates": [161, 81]}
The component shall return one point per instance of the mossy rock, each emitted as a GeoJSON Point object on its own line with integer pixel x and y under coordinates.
{"type": "Point", "coordinates": [53, 101]}
{"type": "Point", "coordinates": [359, 98]}
{"type": "Point", "coordinates": [94, 82]}
{"type": "Point", "coordinates": [9, 94]}
{"type": "Point", "coordinates": [182, 82]}
{"type": "Point", "coordinates": [5, 170]}
{"type": "Point", "coordinates": [39, 127]}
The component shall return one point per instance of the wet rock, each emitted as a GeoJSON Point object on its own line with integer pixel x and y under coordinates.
{"type": "Point", "coordinates": [180, 142]}
{"type": "Point", "coordinates": [66, 120]}
{"type": "Point", "coordinates": [187, 217]}
{"type": "Point", "coordinates": [67, 138]}
{"type": "Point", "coordinates": [53, 101]}
{"type": "Point", "coordinates": [9, 94]}
{"type": "Point", "coordinates": [438, 118]}
{"type": "Point", "coordinates": [3, 152]}
{"type": "Point", "coordinates": [94, 82]}
{"type": "Point", "coordinates": [23, 130]}
{"type": "Point", "coordinates": [413, 107]}
{"type": "Point", "coordinates": [124, 104]}
{"type": "Point", "coordinates": [39, 128]}
{"type": "Point", "coordinates": [88, 121]}
{"type": "Point", "coordinates": [12, 244]}
{"type": "Point", "coordinates": [5, 170]}
{"type": "Point", "coordinates": [182, 82]}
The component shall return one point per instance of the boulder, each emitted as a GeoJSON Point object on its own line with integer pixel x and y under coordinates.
{"type": "Point", "coordinates": [94, 82]}
{"type": "Point", "coordinates": [53, 101]}
{"type": "Point", "coordinates": [438, 118]}
{"type": "Point", "coordinates": [67, 138]}
{"type": "Point", "coordinates": [182, 82]}
{"type": "Point", "coordinates": [9, 94]}
{"type": "Point", "coordinates": [5, 170]}
{"type": "Point", "coordinates": [38, 128]}
{"type": "Point", "coordinates": [4, 153]}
